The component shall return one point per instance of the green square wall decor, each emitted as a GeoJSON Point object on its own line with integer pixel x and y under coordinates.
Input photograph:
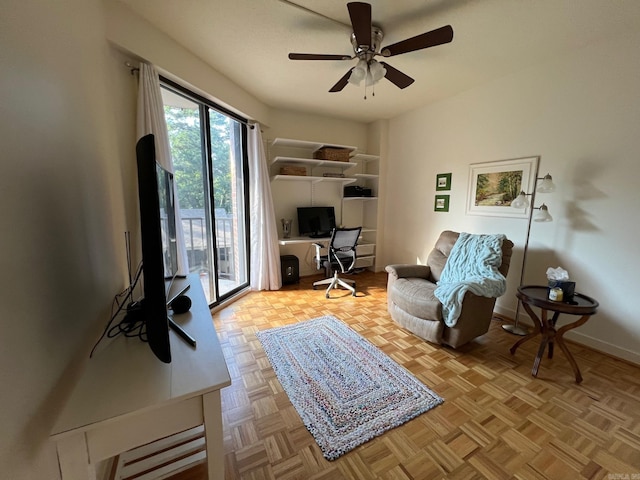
{"type": "Point", "coordinates": [443, 181]}
{"type": "Point", "coordinates": [441, 204]}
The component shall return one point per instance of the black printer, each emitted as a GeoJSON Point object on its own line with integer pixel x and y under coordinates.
{"type": "Point", "coordinates": [357, 191]}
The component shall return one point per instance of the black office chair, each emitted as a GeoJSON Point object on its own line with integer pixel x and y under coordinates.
{"type": "Point", "coordinates": [340, 258]}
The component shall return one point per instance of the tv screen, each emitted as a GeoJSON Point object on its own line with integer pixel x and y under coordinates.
{"type": "Point", "coordinates": [167, 222]}
{"type": "Point", "coordinates": [157, 223]}
{"type": "Point", "coordinates": [316, 222]}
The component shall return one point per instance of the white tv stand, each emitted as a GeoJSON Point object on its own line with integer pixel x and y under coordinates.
{"type": "Point", "coordinates": [126, 397]}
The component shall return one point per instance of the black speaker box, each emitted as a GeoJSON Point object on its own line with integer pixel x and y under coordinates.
{"type": "Point", "coordinates": [290, 268]}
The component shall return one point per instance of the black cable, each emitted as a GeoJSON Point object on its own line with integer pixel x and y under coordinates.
{"type": "Point", "coordinates": [127, 239]}
{"type": "Point", "coordinates": [128, 329]}
{"type": "Point", "coordinates": [127, 293]}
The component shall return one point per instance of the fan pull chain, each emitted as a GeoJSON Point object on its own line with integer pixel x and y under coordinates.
{"type": "Point", "coordinates": [365, 81]}
{"type": "Point", "coordinates": [373, 90]}
{"type": "Point", "coordinates": [366, 77]}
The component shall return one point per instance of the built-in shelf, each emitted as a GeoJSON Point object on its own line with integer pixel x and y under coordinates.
{"type": "Point", "coordinates": [366, 176]}
{"type": "Point", "coordinates": [348, 199]}
{"type": "Point", "coordinates": [313, 162]}
{"type": "Point", "coordinates": [365, 158]}
{"type": "Point", "coordinates": [310, 179]}
{"type": "Point", "coordinates": [364, 262]}
{"type": "Point", "coordinates": [361, 169]}
{"type": "Point", "coordinates": [291, 143]}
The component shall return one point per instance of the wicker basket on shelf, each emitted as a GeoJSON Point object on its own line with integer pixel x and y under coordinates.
{"type": "Point", "coordinates": [293, 170]}
{"type": "Point", "coordinates": [332, 153]}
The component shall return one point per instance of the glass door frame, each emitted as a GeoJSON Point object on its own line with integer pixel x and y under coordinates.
{"type": "Point", "coordinates": [204, 104]}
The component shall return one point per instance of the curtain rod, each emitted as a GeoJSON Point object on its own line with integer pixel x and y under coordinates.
{"type": "Point", "coordinates": [249, 123]}
{"type": "Point", "coordinates": [132, 68]}
{"type": "Point", "coordinates": [194, 95]}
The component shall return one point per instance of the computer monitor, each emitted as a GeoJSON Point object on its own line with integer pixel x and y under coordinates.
{"type": "Point", "coordinates": [316, 222]}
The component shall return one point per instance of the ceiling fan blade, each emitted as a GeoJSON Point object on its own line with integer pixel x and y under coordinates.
{"type": "Point", "coordinates": [396, 77]}
{"type": "Point", "coordinates": [360, 14]}
{"type": "Point", "coordinates": [342, 82]}
{"type": "Point", "coordinates": [429, 39]}
{"type": "Point", "coordinates": [317, 56]}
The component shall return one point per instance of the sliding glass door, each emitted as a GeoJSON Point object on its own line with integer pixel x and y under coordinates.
{"type": "Point", "coordinates": [208, 149]}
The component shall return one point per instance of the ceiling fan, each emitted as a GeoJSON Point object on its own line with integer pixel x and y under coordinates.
{"type": "Point", "coordinates": [366, 39]}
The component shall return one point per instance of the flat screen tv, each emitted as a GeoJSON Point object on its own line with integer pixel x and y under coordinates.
{"type": "Point", "coordinates": [158, 241]}
{"type": "Point", "coordinates": [316, 222]}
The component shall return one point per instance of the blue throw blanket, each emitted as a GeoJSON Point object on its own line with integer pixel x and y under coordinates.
{"type": "Point", "coordinates": [472, 266]}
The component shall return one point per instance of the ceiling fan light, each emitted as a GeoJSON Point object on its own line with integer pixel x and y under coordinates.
{"type": "Point", "coordinates": [358, 73]}
{"type": "Point", "coordinates": [355, 78]}
{"type": "Point", "coordinates": [377, 71]}
{"type": "Point", "coordinates": [369, 80]}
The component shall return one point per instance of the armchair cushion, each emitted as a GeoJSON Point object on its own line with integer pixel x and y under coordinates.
{"type": "Point", "coordinates": [416, 297]}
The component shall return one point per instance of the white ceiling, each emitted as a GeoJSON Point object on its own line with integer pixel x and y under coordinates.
{"type": "Point", "coordinates": [248, 41]}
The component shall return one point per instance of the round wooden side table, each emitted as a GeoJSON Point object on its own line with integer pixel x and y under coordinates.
{"type": "Point", "coordinates": [537, 296]}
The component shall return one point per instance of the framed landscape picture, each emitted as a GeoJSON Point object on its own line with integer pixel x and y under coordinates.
{"type": "Point", "coordinates": [494, 185]}
{"type": "Point", "coordinates": [443, 181]}
{"type": "Point", "coordinates": [442, 203]}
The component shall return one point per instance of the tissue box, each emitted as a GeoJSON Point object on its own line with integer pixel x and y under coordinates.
{"type": "Point", "coordinates": [568, 288]}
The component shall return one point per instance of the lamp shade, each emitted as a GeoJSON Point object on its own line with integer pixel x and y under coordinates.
{"type": "Point", "coordinates": [520, 201]}
{"type": "Point", "coordinates": [543, 215]}
{"type": "Point", "coordinates": [371, 72]}
{"type": "Point", "coordinates": [376, 73]}
{"type": "Point", "coordinates": [358, 73]}
{"type": "Point", "coordinates": [547, 184]}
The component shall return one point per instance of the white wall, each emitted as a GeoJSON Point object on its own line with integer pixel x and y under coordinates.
{"type": "Point", "coordinates": [581, 115]}
{"type": "Point", "coordinates": [61, 206]}
{"type": "Point", "coordinates": [133, 34]}
{"type": "Point", "coordinates": [320, 128]}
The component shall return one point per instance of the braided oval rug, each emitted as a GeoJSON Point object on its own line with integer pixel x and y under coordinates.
{"type": "Point", "coordinates": [345, 389]}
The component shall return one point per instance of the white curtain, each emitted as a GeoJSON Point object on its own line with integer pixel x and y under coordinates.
{"type": "Point", "coordinates": [265, 253]}
{"type": "Point", "coordinates": [151, 120]}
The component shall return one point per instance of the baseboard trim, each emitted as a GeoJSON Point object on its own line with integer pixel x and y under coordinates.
{"type": "Point", "coordinates": [604, 347]}
{"type": "Point", "coordinates": [579, 338]}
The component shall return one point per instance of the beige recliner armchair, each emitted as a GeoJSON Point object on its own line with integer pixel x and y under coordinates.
{"type": "Point", "coordinates": [412, 303]}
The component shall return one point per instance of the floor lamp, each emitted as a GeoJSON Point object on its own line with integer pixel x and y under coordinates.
{"type": "Point", "coordinates": [543, 216]}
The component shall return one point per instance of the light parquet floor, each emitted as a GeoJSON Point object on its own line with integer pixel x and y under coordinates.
{"type": "Point", "coordinates": [497, 421]}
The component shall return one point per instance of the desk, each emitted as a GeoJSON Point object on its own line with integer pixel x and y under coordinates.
{"type": "Point", "coordinates": [126, 397]}
{"type": "Point", "coordinates": [533, 295]}
{"type": "Point", "coordinates": [302, 240]}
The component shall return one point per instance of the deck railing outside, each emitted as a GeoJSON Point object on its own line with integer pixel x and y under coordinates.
{"type": "Point", "coordinates": [195, 235]}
